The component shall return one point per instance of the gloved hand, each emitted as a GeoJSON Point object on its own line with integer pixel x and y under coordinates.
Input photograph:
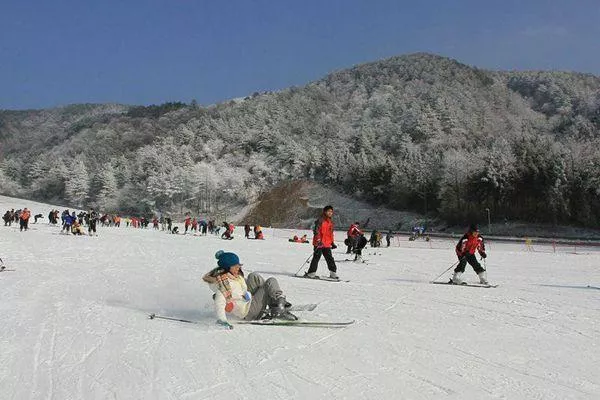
{"type": "Point", "coordinates": [333, 246]}
{"type": "Point", "coordinates": [247, 296]}
{"type": "Point", "coordinates": [229, 306]}
{"type": "Point", "coordinates": [224, 323]}
{"type": "Point", "coordinates": [483, 255]}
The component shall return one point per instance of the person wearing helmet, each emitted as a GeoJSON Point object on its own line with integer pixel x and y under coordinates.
{"type": "Point", "coordinates": [466, 247]}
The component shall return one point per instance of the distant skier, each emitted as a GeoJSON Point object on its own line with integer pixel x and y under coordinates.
{"type": "Point", "coordinates": [228, 234]}
{"type": "Point", "coordinates": [8, 218]}
{"type": "Point", "coordinates": [250, 299]}
{"type": "Point", "coordinates": [247, 231]}
{"type": "Point", "coordinates": [186, 223]}
{"type": "Point", "coordinates": [323, 243]}
{"type": "Point", "coordinates": [24, 219]}
{"type": "Point", "coordinates": [353, 234]}
{"type": "Point", "coordinates": [361, 243]}
{"type": "Point", "coordinates": [36, 217]}
{"type": "Point", "coordinates": [388, 237]}
{"type": "Point", "coordinates": [258, 233]}
{"type": "Point", "coordinates": [92, 219]}
{"type": "Point", "coordinates": [465, 250]}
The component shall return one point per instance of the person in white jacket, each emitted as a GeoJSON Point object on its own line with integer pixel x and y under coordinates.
{"type": "Point", "coordinates": [247, 299]}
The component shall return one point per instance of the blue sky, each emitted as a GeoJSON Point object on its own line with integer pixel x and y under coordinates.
{"type": "Point", "coordinates": [151, 51]}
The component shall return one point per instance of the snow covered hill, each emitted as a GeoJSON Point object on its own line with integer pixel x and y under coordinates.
{"type": "Point", "coordinates": [75, 322]}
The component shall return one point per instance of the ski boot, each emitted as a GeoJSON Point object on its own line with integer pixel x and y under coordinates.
{"type": "Point", "coordinates": [483, 278]}
{"type": "Point", "coordinates": [457, 278]}
{"type": "Point", "coordinates": [280, 310]}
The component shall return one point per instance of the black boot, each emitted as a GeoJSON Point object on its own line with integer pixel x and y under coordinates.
{"type": "Point", "coordinates": [277, 307]}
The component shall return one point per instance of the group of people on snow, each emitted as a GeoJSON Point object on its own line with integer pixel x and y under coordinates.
{"type": "Point", "coordinates": [20, 216]}
{"type": "Point", "coordinates": [255, 298]}
{"type": "Point", "coordinates": [257, 231]}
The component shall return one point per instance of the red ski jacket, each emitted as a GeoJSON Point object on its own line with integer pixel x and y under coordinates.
{"type": "Point", "coordinates": [323, 233]}
{"type": "Point", "coordinates": [354, 231]}
{"type": "Point", "coordinates": [469, 244]}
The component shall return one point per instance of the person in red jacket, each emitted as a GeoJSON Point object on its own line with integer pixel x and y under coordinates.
{"type": "Point", "coordinates": [24, 218]}
{"type": "Point", "coordinates": [354, 233]}
{"type": "Point", "coordinates": [323, 243]}
{"type": "Point", "coordinates": [187, 222]}
{"type": "Point", "coordinates": [465, 250]}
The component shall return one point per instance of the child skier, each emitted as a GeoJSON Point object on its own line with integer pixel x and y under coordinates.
{"type": "Point", "coordinates": [465, 250]}
{"type": "Point", "coordinates": [323, 243]}
{"type": "Point", "coordinates": [247, 299]}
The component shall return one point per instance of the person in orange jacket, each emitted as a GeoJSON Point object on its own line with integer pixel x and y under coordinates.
{"type": "Point", "coordinates": [24, 218]}
{"type": "Point", "coordinates": [323, 242]}
{"type": "Point", "coordinates": [466, 247]}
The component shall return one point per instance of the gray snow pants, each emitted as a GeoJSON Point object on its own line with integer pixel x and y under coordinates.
{"type": "Point", "coordinates": [263, 293]}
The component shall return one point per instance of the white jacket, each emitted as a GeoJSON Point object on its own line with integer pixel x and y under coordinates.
{"type": "Point", "coordinates": [238, 289]}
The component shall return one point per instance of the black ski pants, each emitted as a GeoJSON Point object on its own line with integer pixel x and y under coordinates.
{"type": "Point", "coordinates": [325, 252]}
{"type": "Point", "coordinates": [471, 259]}
{"type": "Point", "coordinates": [92, 226]}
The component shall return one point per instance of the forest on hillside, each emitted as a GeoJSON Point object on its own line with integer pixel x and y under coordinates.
{"type": "Point", "coordinates": [417, 132]}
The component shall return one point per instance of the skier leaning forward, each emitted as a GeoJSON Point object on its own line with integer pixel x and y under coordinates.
{"type": "Point", "coordinates": [323, 243]}
{"type": "Point", "coordinates": [251, 299]}
{"type": "Point", "coordinates": [465, 250]}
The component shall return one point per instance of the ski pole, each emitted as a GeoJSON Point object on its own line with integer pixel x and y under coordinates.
{"type": "Point", "coordinates": [450, 267]}
{"type": "Point", "coordinates": [303, 264]}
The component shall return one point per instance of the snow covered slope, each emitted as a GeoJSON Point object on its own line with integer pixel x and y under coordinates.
{"type": "Point", "coordinates": [75, 326]}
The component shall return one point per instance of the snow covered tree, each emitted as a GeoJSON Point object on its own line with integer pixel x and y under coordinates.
{"type": "Point", "coordinates": [77, 184]}
{"type": "Point", "coordinates": [107, 199]}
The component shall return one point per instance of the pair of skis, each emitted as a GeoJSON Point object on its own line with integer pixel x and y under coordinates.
{"type": "Point", "coordinates": [465, 284]}
{"type": "Point", "coordinates": [320, 278]}
{"type": "Point", "coordinates": [269, 322]}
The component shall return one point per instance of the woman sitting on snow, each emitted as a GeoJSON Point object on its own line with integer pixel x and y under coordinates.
{"type": "Point", "coordinates": [247, 299]}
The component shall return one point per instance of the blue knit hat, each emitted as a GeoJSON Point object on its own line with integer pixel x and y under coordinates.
{"type": "Point", "coordinates": [226, 260]}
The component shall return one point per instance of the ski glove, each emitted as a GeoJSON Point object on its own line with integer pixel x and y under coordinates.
{"type": "Point", "coordinates": [483, 255]}
{"type": "Point", "coordinates": [225, 324]}
{"type": "Point", "coordinates": [247, 296]}
{"type": "Point", "coordinates": [333, 246]}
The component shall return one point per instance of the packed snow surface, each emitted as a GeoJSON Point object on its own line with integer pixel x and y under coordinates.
{"type": "Point", "coordinates": [75, 321]}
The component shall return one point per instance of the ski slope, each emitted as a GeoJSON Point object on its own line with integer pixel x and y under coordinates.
{"type": "Point", "coordinates": [74, 322]}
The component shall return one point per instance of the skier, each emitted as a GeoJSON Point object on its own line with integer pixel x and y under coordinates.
{"type": "Point", "coordinates": [36, 217]}
{"type": "Point", "coordinates": [24, 219]}
{"type": "Point", "coordinates": [323, 243]}
{"type": "Point", "coordinates": [187, 222]}
{"type": "Point", "coordinates": [8, 218]}
{"type": "Point", "coordinates": [247, 299]}
{"type": "Point", "coordinates": [92, 221]}
{"type": "Point", "coordinates": [361, 243]}
{"type": "Point", "coordinates": [247, 231]}
{"type": "Point", "coordinates": [228, 234]}
{"type": "Point", "coordinates": [465, 250]}
{"type": "Point", "coordinates": [76, 228]}
{"type": "Point", "coordinates": [353, 234]}
{"type": "Point", "coordinates": [388, 237]}
{"type": "Point", "coordinates": [258, 233]}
